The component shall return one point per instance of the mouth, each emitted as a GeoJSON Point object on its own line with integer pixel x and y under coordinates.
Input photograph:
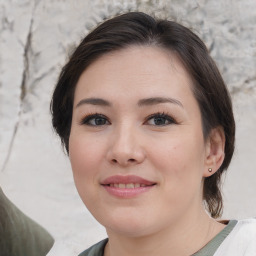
{"type": "Point", "coordinates": [127, 186]}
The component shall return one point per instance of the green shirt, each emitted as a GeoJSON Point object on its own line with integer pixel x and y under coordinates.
{"type": "Point", "coordinates": [20, 235]}
{"type": "Point", "coordinates": [208, 250]}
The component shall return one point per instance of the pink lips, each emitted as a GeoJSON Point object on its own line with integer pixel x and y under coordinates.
{"type": "Point", "coordinates": [127, 186]}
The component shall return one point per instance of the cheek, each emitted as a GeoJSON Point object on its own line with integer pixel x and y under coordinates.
{"type": "Point", "coordinates": [180, 157]}
{"type": "Point", "coordinates": [84, 156]}
{"type": "Point", "coordinates": [169, 154]}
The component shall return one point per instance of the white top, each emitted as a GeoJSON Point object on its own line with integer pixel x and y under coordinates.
{"type": "Point", "coordinates": [241, 241]}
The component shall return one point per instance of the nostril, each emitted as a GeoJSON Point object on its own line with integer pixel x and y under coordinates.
{"type": "Point", "coordinates": [131, 160]}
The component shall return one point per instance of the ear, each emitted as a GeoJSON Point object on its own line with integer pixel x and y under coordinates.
{"type": "Point", "coordinates": [215, 151]}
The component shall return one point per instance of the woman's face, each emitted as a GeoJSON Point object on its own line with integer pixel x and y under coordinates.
{"type": "Point", "coordinates": [136, 145]}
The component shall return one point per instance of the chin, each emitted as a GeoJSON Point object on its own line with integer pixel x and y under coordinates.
{"type": "Point", "coordinates": [132, 231]}
{"type": "Point", "coordinates": [129, 225]}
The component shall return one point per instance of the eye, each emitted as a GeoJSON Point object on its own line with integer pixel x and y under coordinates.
{"type": "Point", "coordinates": [160, 119]}
{"type": "Point", "coordinates": [95, 120]}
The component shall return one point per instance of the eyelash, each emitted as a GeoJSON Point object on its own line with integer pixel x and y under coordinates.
{"type": "Point", "coordinates": [90, 117]}
{"type": "Point", "coordinates": [170, 119]}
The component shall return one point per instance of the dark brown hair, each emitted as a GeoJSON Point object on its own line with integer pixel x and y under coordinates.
{"type": "Point", "coordinates": [136, 28]}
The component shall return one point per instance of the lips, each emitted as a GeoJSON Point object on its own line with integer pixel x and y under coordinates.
{"type": "Point", "coordinates": [127, 180]}
{"type": "Point", "coordinates": [127, 186]}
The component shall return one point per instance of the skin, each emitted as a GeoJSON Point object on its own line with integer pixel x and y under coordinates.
{"type": "Point", "coordinates": [172, 152]}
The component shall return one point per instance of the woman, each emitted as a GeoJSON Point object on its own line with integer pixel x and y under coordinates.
{"type": "Point", "coordinates": [147, 121]}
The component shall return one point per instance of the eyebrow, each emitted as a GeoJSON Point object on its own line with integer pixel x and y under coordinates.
{"type": "Point", "coordinates": [94, 101]}
{"type": "Point", "coordinates": [158, 100]}
{"type": "Point", "coordinates": [142, 102]}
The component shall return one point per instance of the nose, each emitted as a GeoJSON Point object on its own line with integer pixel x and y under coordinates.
{"type": "Point", "coordinates": [125, 147]}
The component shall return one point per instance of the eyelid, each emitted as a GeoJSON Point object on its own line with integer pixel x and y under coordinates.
{"type": "Point", "coordinates": [88, 117]}
{"type": "Point", "coordinates": [161, 114]}
{"type": "Point", "coordinates": [85, 120]}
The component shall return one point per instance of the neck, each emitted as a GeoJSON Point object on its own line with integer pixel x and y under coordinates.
{"type": "Point", "coordinates": [180, 239]}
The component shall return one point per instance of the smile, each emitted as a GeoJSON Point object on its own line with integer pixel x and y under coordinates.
{"type": "Point", "coordinates": [127, 186]}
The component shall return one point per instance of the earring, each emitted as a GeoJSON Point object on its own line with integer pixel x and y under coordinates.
{"type": "Point", "coordinates": [210, 169]}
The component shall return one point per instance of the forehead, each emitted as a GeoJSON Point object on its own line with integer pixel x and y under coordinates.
{"type": "Point", "coordinates": [134, 70]}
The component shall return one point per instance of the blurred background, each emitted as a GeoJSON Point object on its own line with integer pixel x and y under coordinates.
{"type": "Point", "coordinates": [36, 38]}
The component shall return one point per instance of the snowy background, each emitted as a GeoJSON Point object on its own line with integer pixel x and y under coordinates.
{"type": "Point", "coordinates": [36, 37]}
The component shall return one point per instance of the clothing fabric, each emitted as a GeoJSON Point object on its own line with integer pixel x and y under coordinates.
{"type": "Point", "coordinates": [211, 247]}
{"type": "Point", "coordinates": [238, 238]}
{"type": "Point", "coordinates": [20, 235]}
{"type": "Point", "coordinates": [241, 241]}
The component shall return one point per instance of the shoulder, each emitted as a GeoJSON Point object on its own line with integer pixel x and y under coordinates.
{"type": "Point", "coordinates": [246, 228]}
{"type": "Point", "coordinates": [241, 240]}
{"type": "Point", "coordinates": [96, 249]}
{"type": "Point", "coordinates": [20, 235]}
{"type": "Point", "coordinates": [247, 222]}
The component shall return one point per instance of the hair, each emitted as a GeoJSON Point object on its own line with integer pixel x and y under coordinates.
{"type": "Point", "coordinates": [136, 28]}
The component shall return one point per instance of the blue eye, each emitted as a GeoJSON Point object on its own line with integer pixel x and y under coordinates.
{"type": "Point", "coordinates": [95, 120]}
{"type": "Point", "coordinates": [160, 119]}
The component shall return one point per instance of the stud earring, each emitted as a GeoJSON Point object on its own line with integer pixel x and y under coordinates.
{"type": "Point", "coordinates": [210, 169]}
